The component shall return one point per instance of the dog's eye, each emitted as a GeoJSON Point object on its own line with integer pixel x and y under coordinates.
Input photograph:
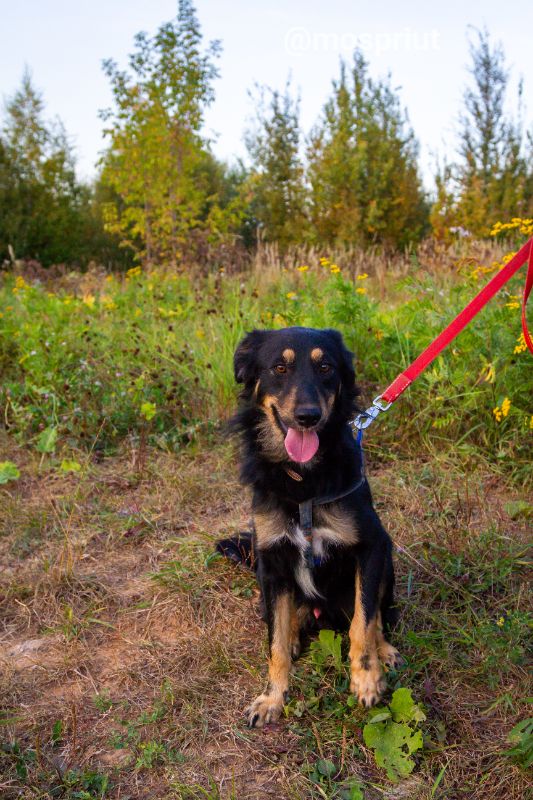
{"type": "Point", "coordinates": [281, 369]}
{"type": "Point", "coordinates": [325, 368]}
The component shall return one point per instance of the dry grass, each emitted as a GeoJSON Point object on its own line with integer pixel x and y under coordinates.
{"type": "Point", "coordinates": [114, 623]}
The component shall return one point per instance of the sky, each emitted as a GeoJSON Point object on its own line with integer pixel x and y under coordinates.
{"type": "Point", "coordinates": [423, 45]}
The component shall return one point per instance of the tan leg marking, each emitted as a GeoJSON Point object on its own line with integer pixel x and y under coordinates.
{"type": "Point", "coordinates": [270, 527]}
{"type": "Point", "coordinates": [388, 654]}
{"type": "Point", "coordinates": [269, 705]}
{"type": "Point", "coordinates": [367, 680]}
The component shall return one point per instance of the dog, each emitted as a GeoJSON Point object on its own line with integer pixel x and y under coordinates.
{"type": "Point", "coordinates": [318, 547]}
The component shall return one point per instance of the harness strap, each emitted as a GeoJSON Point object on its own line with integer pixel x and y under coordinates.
{"type": "Point", "coordinates": [305, 509]}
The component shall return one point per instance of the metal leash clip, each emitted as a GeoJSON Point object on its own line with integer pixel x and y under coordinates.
{"type": "Point", "coordinates": [366, 418]}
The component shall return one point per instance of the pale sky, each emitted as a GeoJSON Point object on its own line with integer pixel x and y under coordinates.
{"type": "Point", "coordinates": [424, 46]}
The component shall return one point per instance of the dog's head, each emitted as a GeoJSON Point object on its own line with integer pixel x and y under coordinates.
{"type": "Point", "coordinates": [302, 380]}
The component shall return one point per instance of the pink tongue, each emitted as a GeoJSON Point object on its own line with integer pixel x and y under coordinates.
{"type": "Point", "coordinates": [301, 445]}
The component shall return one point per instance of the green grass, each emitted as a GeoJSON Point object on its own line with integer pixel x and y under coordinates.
{"type": "Point", "coordinates": [150, 356]}
{"type": "Point", "coordinates": [136, 650]}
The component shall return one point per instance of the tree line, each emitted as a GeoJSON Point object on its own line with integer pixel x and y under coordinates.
{"type": "Point", "coordinates": [161, 196]}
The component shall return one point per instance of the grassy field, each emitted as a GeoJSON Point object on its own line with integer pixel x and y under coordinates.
{"type": "Point", "coordinates": [128, 652]}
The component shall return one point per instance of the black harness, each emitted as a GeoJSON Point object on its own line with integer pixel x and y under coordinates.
{"type": "Point", "coordinates": [305, 509]}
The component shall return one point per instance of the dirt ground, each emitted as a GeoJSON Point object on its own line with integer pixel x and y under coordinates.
{"type": "Point", "coordinates": [127, 654]}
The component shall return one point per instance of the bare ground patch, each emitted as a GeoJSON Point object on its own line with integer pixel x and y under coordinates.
{"type": "Point", "coordinates": [127, 654]}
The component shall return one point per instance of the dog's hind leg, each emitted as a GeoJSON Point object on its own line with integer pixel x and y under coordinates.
{"type": "Point", "coordinates": [269, 705]}
{"type": "Point", "coordinates": [299, 618]}
{"type": "Point", "coordinates": [388, 654]}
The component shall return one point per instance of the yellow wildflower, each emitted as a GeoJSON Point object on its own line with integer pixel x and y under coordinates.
{"type": "Point", "coordinates": [521, 346]}
{"type": "Point", "coordinates": [133, 272]}
{"type": "Point", "coordinates": [291, 295]}
{"type": "Point", "coordinates": [379, 335]}
{"type": "Point", "coordinates": [89, 300]}
{"type": "Point", "coordinates": [137, 312]}
{"type": "Point", "coordinates": [490, 377]}
{"type": "Point", "coordinates": [361, 290]}
{"type": "Point", "coordinates": [335, 269]}
{"type": "Point", "coordinates": [506, 405]}
{"type": "Point", "coordinates": [303, 268]}
{"type": "Point", "coordinates": [512, 304]}
{"type": "Point", "coordinates": [200, 334]}
{"type": "Point", "coordinates": [500, 622]}
{"type": "Point", "coordinates": [20, 284]}
{"type": "Point", "coordinates": [109, 278]}
{"type": "Point", "coordinates": [108, 303]}
{"type": "Point", "coordinates": [362, 277]}
{"type": "Point", "coordinates": [324, 262]}
{"type": "Point", "coordinates": [497, 413]}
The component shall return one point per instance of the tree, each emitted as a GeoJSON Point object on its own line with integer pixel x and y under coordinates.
{"type": "Point", "coordinates": [45, 212]}
{"type": "Point", "coordinates": [277, 174]}
{"type": "Point", "coordinates": [363, 174]}
{"type": "Point", "coordinates": [158, 162]}
{"type": "Point", "coordinates": [491, 178]}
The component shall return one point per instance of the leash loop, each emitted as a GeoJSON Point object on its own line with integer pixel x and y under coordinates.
{"type": "Point", "coordinates": [366, 418]}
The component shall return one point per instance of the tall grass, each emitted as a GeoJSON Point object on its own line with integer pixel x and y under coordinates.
{"type": "Point", "coordinates": [151, 353]}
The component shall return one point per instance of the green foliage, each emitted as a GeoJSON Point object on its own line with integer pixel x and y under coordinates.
{"type": "Point", "coordinates": [277, 175]}
{"type": "Point", "coordinates": [521, 737]}
{"type": "Point", "coordinates": [365, 185]}
{"type": "Point", "coordinates": [148, 411]}
{"type": "Point", "coordinates": [78, 369]}
{"type": "Point", "coordinates": [492, 177]}
{"type": "Point", "coordinates": [35, 769]}
{"type": "Point", "coordinates": [392, 734]}
{"type": "Point", "coordinates": [326, 650]}
{"type": "Point", "coordinates": [47, 440]}
{"type": "Point", "coordinates": [8, 472]}
{"type": "Point", "coordinates": [67, 465]}
{"type": "Point", "coordinates": [158, 163]}
{"type": "Point", "coordinates": [45, 212]}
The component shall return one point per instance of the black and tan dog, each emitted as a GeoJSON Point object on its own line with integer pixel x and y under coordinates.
{"type": "Point", "coordinates": [297, 445]}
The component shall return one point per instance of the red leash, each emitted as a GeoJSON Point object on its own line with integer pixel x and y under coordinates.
{"type": "Point", "coordinates": [400, 384]}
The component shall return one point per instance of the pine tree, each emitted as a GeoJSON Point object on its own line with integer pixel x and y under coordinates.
{"type": "Point", "coordinates": [491, 179]}
{"type": "Point", "coordinates": [365, 185]}
{"type": "Point", "coordinates": [277, 173]}
{"type": "Point", "coordinates": [42, 205]}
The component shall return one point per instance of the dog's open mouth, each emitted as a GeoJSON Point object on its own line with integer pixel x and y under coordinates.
{"type": "Point", "coordinates": [301, 445]}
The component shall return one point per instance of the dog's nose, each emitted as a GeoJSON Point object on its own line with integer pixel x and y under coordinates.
{"type": "Point", "coordinates": [307, 416]}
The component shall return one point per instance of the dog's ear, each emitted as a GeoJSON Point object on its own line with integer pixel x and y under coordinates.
{"type": "Point", "coordinates": [348, 389]}
{"type": "Point", "coordinates": [245, 358]}
{"type": "Point", "coordinates": [345, 359]}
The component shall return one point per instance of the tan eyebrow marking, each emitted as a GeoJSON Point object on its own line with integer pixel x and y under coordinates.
{"type": "Point", "coordinates": [289, 355]}
{"type": "Point", "coordinates": [317, 354]}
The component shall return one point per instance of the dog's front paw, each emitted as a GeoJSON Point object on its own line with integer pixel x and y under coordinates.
{"type": "Point", "coordinates": [265, 708]}
{"type": "Point", "coordinates": [389, 656]}
{"type": "Point", "coordinates": [368, 685]}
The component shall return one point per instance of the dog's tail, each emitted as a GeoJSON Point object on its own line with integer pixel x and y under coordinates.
{"type": "Point", "coordinates": [239, 548]}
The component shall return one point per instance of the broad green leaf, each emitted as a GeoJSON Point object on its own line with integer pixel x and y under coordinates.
{"type": "Point", "coordinates": [393, 743]}
{"type": "Point", "coordinates": [8, 471]}
{"type": "Point", "coordinates": [47, 440]}
{"type": "Point", "coordinates": [404, 708]}
{"type": "Point", "coordinates": [326, 767]}
{"type": "Point", "coordinates": [70, 466]}
{"type": "Point", "coordinates": [519, 509]}
{"type": "Point", "coordinates": [148, 411]}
